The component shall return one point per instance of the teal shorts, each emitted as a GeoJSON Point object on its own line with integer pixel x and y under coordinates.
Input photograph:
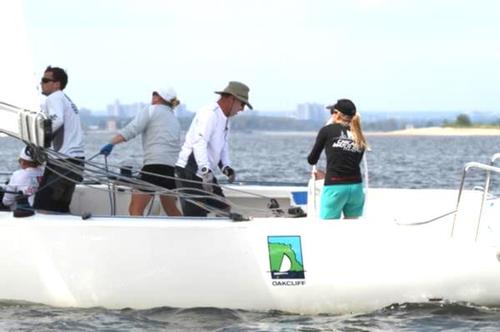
{"type": "Point", "coordinates": [336, 199]}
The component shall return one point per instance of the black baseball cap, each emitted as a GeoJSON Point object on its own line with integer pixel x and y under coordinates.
{"type": "Point", "coordinates": [344, 106]}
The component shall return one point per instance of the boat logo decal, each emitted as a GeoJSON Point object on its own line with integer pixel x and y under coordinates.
{"type": "Point", "coordinates": [285, 258]}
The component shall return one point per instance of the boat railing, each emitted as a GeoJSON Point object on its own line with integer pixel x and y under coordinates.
{"type": "Point", "coordinates": [494, 158]}
{"type": "Point", "coordinates": [488, 169]}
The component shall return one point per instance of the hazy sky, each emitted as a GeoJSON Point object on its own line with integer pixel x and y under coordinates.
{"type": "Point", "coordinates": [383, 54]}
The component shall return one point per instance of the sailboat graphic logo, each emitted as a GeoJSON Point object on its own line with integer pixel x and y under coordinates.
{"type": "Point", "coordinates": [285, 257]}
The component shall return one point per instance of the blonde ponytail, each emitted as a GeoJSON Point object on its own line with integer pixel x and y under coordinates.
{"type": "Point", "coordinates": [174, 102]}
{"type": "Point", "coordinates": [357, 132]}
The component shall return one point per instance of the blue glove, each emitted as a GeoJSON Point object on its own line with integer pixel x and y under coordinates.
{"type": "Point", "coordinates": [106, 150]}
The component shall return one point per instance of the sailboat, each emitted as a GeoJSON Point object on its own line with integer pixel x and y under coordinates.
{"type": "Point", "coordinates": [410, 246]}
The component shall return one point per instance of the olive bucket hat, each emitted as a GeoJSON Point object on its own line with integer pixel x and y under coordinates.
{"type": "Point", "coordinates": [237, 90]}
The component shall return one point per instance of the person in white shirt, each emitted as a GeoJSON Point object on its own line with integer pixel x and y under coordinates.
{"type": "Point", "coordinates": [25, 180]}
{"type": "Point", "coordinates": [161, 141]}
{"type": "Point", "coordinates": [206, 149]}
{"type": "Point", "coordinates": [58, 183]}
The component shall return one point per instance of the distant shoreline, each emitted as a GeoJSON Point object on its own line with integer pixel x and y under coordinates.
{"type": "Point", "coordinates": [428, 131]}
{"type": "Point", "coordinates": [439, 131]}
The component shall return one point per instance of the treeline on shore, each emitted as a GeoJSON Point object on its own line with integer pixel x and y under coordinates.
{"type": "Point", "coordinates": [250, 123]}
{"type": "Point", "coordinates": [464, 121]}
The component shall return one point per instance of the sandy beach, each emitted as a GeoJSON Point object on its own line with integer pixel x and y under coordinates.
{"type": "Point", "coordinates": [439, 131]}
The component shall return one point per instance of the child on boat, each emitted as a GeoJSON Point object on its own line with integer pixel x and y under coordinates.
{"type": "Point", "coordinates": [26, 179]}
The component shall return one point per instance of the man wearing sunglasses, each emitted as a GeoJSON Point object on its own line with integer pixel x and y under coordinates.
{"type": "Point", "coordinates": [61, 172]}
{"type": "Point", "coordinates": [206, 149]}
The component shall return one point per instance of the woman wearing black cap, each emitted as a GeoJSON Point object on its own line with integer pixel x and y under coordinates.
{"type": "Point", "coordinates": [344, 145]}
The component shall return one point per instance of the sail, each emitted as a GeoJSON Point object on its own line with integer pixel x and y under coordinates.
{"type": "Point", "coordinates": [18, 86]}
{"type": "Point", "coordinates": [19, 101]}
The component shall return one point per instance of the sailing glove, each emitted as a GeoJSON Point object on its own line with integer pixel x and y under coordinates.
{"type": "Point", "coordinates": [229, 172]}
{"type": "Point", "coordinates": [106, 150]}
{"type": "Point", "coordinates": [208, 180]}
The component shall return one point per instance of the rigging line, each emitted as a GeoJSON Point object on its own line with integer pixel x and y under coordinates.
{"type": "Point", "coordinates": [154, 189]}
{"type": "Point", "coordinates": [180, 193]}
{"type": "Point", "coordinates": [428, 221]}
{"type": "Point", "coordinates": [112, 201]}
{"type": "Point", "coordinates": [78, 169]}
{"type": "Point", "coordinates": [197, 182]}
{"type": "Point", "coordinates": [61, 175]}
{"type": "Point", "coordinates": [220, 199]}
{"type": "Point", "coordinates": [106, 172]}
{"type": "Point", "coordinates": [187, 197]}
{"type": "Point", "coordinates": [245, 192]}
{"type": "Point", "coordinates": [128, 179]}
{"type": "Point", "coordinates": [75, 169]}
{"type": "Point", "coordinates": [4, 190]}
{"type": "Point", "coordinates": [251, 194]}
{"type": "Point", "coordinates": [17, 107]}
{"type": "Point", "coordinates": [139, 184]}
{"type": "Point", "coordinates": [151, 205]}
{"type": "Point", "coordinates": [102, 175]}
{"type": "Point", "coordinates": [194, 199]}
{"type": "Point", "coordinates": [65, 163]}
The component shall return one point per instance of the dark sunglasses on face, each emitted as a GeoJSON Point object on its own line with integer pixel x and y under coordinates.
{"type": "Point", "coordinates": [242, 104]}
{"type": "Point", "coordinates": [47, 80]}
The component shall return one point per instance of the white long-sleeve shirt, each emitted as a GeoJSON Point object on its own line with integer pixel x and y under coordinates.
{"type": "Point", "coordinates": [25, 180]}
{"type": "Point", "coordinates": [207, 138]}
{"type": "Point", "coordinates": [66, 126]}
{"type": "Point", "coordinates": [161, 134]}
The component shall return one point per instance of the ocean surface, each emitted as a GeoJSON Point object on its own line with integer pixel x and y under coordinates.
{"type": "Point", "coordinates": [394, 161]}
{"type": "Point", "coordinates": [277, 157]}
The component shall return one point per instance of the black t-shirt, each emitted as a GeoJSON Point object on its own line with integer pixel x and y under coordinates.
{"type": "Point", "coordinates": [343, 156]}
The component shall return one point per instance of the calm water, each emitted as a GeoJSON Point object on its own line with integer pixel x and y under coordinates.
{"type": "Point", "coordinates": [400, 162]}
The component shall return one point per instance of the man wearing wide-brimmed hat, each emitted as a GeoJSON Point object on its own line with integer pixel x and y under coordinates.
{"type": "Point", "coordinates": [206, 149]}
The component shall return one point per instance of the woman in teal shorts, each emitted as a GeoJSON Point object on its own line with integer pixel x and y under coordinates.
{"type": "Point", "coordinates": [344, 145]}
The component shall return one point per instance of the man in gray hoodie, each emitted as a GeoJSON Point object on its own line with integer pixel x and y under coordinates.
{"type": "Point", "coordinates": [161, 139]}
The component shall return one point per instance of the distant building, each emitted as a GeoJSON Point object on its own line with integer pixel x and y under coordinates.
{"type": "Point", "coordinates": [278, 114]}
{"type": "Point", "coordinates": [311, 111]}
{"type": "Point", "coordinates": [123, 111]}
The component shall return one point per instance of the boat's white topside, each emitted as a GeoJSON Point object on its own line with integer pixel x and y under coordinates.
{"type": "Point", "coordinates": [409, 246]}
{"type": "Point", "coordinates": [347, 265]}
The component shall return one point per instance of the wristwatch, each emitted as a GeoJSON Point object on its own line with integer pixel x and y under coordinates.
{"type": "Point", "coordinates": [204, 170]}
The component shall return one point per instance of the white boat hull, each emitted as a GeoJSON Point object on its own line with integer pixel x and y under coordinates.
{"type": "Point", "coordinates": [331, 266]}
{"type": "Point", "coordinates": [348, 266]}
